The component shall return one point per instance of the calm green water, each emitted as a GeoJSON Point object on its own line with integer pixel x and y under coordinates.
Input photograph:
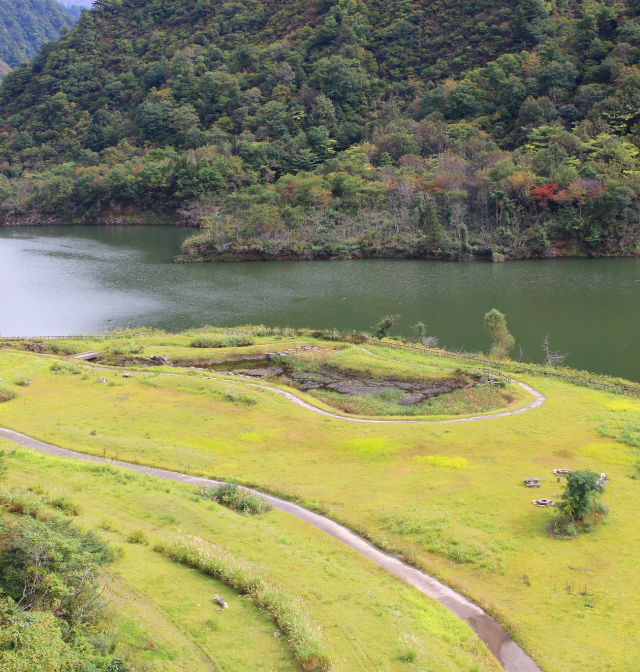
{"type": "Point", "coordinates": [66, 280]}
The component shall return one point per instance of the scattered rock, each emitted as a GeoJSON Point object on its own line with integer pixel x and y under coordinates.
{"type": "Point", "coordinates": [35, 347]}
{"type": "Point", "coordinates": [149, 361]}
{"type": "Point", "coordinates": [218, 600]}
{"type": "Point", "coordinates": [543, 503]}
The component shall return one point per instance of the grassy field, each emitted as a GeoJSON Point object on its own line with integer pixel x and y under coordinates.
{"type": "Point", "coordinates": [165, 611]}
{"type": "Point", "coordinates": [450, 498]}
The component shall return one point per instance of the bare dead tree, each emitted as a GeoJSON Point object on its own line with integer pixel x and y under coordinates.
{"type": "Point", "coordinates": [552, 357]}
{"type": "Point", "coordinates": [430, 341]}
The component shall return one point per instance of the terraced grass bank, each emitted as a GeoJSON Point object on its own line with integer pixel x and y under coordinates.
{"type": "Point", "coordinates": [279, 576]}
{"type": "Point", "coordinates": [449, 498]}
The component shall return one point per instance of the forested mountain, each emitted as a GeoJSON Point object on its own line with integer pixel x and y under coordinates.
{"type": "Point", "coordinates": [75, 7]}
{"type": "Point", "coordinates": [337, 127]}
{"type": "Point", "coordinates": [27, 24]}
{"type": "Point", "coordinates": [75, 10]}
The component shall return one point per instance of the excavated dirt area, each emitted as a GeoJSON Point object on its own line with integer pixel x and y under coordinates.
{"type": "Point", "coordinates": [342, 382]}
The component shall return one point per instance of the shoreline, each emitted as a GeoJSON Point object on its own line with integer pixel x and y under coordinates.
{"type": "Point", "coordinates": [409, 246]}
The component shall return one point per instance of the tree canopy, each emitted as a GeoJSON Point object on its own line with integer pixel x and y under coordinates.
{"type": "Point", "coordinates": [341, 128]}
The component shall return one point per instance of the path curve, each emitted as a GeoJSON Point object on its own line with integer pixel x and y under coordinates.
{"type": "Point", "coordinates": [539, 399]}
{"type": "Point", "coordinates": [506, 651]}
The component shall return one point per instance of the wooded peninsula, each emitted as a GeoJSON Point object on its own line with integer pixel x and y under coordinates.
{"type": "Point", "coordinates": [335, 129]}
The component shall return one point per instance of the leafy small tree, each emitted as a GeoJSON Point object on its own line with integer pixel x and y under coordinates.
{"type": "Point", "coordinates": [385, 324]}
{"type": "Point", "coordinates": [496, 323]}
{"type": "Point", "coordinates": [420, 329]}
{"type": "Point", "coordinates": [579, 497]}
{"type": "Point", "coordinates": [465, 248]}
{"type": "Point", "coordinates": [429, 222]}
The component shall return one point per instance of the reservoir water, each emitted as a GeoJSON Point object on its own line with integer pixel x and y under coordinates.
{"type": "Point", "coordinates": [78, 279]}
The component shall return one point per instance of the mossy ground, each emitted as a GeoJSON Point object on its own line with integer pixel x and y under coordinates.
{"type": "Point", "coordinates": [449, 497]}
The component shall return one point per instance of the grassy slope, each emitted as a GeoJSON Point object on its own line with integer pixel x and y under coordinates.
{"type": "Point", "coordinates": [356, 360]}
{"type": "Point", "coordinates": [165, 611]}
{"type": "Point", "coordinates": [485, 536]}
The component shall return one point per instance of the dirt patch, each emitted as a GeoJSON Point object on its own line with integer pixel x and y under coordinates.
{"type": "Point", "coordinates": [344, 383]}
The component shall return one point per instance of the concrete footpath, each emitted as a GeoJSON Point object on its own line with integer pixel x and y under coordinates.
{"type": "Point", "coordinates": [498, 641]}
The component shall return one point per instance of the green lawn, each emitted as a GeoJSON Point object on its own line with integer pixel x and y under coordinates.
{"type": "Point", "coordinates": [448, 497]}
{"type": "Point", "coordinates": [165, 611]}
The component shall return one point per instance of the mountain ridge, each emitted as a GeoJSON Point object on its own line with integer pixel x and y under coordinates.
{"type": "Point", "coordinates": [27, 24]}
{"type": "Point", "coordinates": [337, 128]}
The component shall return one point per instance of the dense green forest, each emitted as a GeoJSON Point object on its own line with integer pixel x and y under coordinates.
{"type": "Point", "coordinates": [336, 127]}
{"type": "Point", "coordinates": [27, 24]}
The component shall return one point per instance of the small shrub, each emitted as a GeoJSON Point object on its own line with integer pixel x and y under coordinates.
{"type": "Point", "coordinates": [236, 398]}
{"type": "Point", "coordinates": [108, 525]}
{"type": "Point", "coordinates": [67, 506]}
{"type": "Point", "coordinates": [253, 505]}
{"type": "Point", "coordinates": [409, 649]}
{"type": "Point", "coordinates": [6, 395]}
{"type": "Point", "coordinates": [229, 495]}
{"type": "Point", "coordinates": [407, 656]}
{"type": "Point", "coordinates": [226, 494]}
{"type": "Point", "coordinates": [562, 526]}
{"type": "Point", "coordinates": [65, 367]}
{"type": "Point", "coordinates": [21, 380]}
{"type": "Point", "coordinates": [118, 551]}
{"type": "Point", "coordinates": [206, 342]}
{"type": "Point", "coordinates": [136, 537]}
{"type": "Point", "coordinates": [228, 341]}
{"type": "Point", "coordinates": [236, 341]}
{"type": "Point", "coordinates": [22, 503]}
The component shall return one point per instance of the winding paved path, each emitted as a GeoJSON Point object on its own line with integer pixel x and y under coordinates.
{"type": "Point", "coordinates": [498, 641]}
{"type": "Point", "coordinates": [538, 401]}
{"type": "Point", "coordinates": [507, 652]}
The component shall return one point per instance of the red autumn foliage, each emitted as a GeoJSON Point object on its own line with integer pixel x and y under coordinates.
{"type": "Point", "coordinates": [288, 190]}
{"type": "Point", "coordinates": [543, 192]}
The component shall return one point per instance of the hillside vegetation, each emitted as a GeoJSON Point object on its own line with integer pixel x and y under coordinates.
{"type": "Point", "coordinates": [339, 128]}
{"type": "Point", "coordinates": [25, 25]}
